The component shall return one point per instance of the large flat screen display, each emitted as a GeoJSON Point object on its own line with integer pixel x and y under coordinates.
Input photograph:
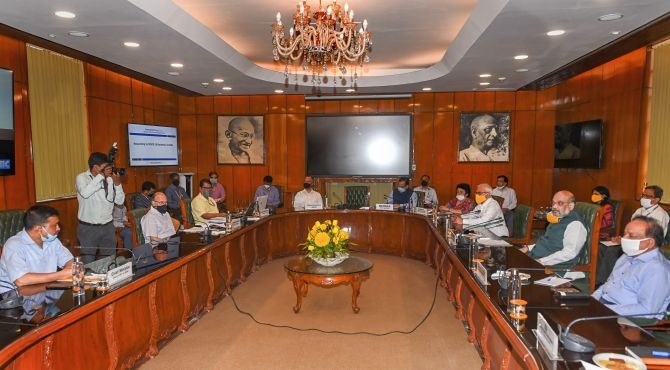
{"type": "Point", "coordinates": [364, 145]}
{"type": "Point", "coordinates": [7, 156]}
{"type": "Point", "coordinates": [578, 145]}
{"type": "Point", "coordinates": [152, 145]}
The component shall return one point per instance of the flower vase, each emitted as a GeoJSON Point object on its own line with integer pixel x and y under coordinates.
{"type": "Point", "coordinates": [339, 258]}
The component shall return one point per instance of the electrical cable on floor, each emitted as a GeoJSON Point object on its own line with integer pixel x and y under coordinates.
{"type": "Point", "coordinates": [430, 310]}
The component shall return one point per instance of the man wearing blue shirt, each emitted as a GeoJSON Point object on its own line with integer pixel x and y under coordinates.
{"type": "Point", "coordinates": [269, 190]}
{"type": "Point", "coordinates": [33, 255]}
{"type": "Point", "coordinates": [639, 282]}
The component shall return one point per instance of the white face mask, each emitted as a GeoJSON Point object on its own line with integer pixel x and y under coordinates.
{"type": "Point", "coordinates": [460, 197]}
{"type": "Point", "coordinates": [500, 187]}
{"type": "Point", "coordinates": [632, 246]}
{"type": "Point", "coordinates": [645, 202]}
{"type": "Point", "coordinates": [267, 186]}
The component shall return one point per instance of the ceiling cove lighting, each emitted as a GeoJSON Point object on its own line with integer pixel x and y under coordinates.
{"type": "Point", "coordinates": [279, 91]}
{"type": "Point", "coordinates": [484, 83]}
{"type": "Point", "coordinates": [521, 57]}
{"type": "Point", "coordinates": [556, 33]}
{"type": "Point", "coordinates": [485, 75]}
{"type": "Point", "coordinates": [427, 89]}
{"type": "Point", "coordinates": [131, 44]}
{"type": "Point", "coordinates": [174, 73]}
{"type": "Point", "coordinates": [78, 34]}
{"type": "Point", "coordinates": [327, 37]}
{"type": "Point", "coordinates": [218, 80]}
{"type": "Point", "coordinates": [610, 17]}
{"type": "Point", "coordinates": [350, 90]}
{"type": "Point", "coordinates": [226, 88]}
{"type": "Point", "coordinates": [521, 70]}
{"type": "Point", "coordinates": [64, 14]}
{"type": "Point", "coordinates": [176, 65]}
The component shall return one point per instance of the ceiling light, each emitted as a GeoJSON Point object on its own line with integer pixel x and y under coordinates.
{"type": "Point", "coordinates": [174, 73]}
{"type": "Point", "coordinates": [350, 90]}
{"type": "Point", "coordinates": [64, 14]}
{"type": "Point", "coordinates": [176, 65]}
{"type": "Point", "coordinates": [53, 36]}
{"type": "Point", "coordinates": [218, 80]}
{"type": "Point", "coordinates": [555, 33]}
{"type": "Point", "coordinates": [615, 33]}
{"type": "Point", "coordinates": [78, 34]}
{"type": "Point", "coordinates": [521, 70]}
{"type": "Point", "coordinates": [610, 17]}
{"type": "Point", "coordinates": [131, 44]}
{"type": "Point", "coordinates": [227, 88]}
{"type": "Point", "coordinates": [427, 89]}
{"type": "Point", "coordinates": [502, 78]}
{"type": "Point", "coordinates": [521, 57]}
{"type": "Point", "coordinates": [485, 75]}
{"type": "Point", "coordinates": [484, 83]}
{"type": "Point", "coordinates": [279, 91]}
{"type": "Point", "coordinates": [328, 37]}
{"type": "Point", "coordinates": [204, 84]}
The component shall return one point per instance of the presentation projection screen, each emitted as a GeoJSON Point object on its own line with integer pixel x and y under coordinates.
{"type": "Point", "coordinates": [152, 145]}
{"type": "Point", "coordinates": [7, 156]}
{"type": "Point", "coordinates": [364, 145]}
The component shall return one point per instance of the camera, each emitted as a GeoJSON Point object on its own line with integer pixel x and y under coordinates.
{"type": "Point", "coordinates": [111, 157]}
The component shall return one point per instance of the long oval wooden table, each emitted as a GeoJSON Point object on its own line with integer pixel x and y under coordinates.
{"type": "Point", "coordinates": [118, 328]}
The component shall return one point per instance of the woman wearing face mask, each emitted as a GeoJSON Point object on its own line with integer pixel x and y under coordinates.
{"type": "Point", "coordinates": [462, 202]}
{"type": "Point", "coordinates": [600, 196]}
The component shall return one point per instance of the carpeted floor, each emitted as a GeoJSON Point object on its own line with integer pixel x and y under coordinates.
{"type": "Point", "coordinates": [396, 297]}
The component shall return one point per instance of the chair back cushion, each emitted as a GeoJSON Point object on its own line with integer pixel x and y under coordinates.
{"type": "Point", "coordinates": [11, 222]}
{"type": "Point", "coordinates": [589, 213]}
{"type": "Point", "coordinates": [618, 211]}
{"type": "Point", "coordinates": [522, 217]}
{"type": "Point", "coordinates": [135, 216]}
{"type": "Point", "coordinates": [355, 196]}
{"type": "Point", "coordinates": [189, 211]}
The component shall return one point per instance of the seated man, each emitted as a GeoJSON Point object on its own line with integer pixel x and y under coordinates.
{"type": "Point", "coordinates": [430, 196]}
{"type": "Point", "coordinates": [307, 196]}
{"type": "Point", "coordinates": [143, 199]}
{"type": "Point", "coordinates": [34, 254]}
{"type": "Point", "coordinates": [157, 225]}
{"type": "Point", "coordinates": [401, 196]}
{"type": "Point", "coordinates": [203, 206]}
{"type": "Point", "coordinates": [485, 214]}
{"type": "Point", "coordinates": [271, 191]}
{"type": "Point", "coordinates": [120, 219]}
{"type": "Point", "coordinates": [639, 282]}
{"type": "Point", "coordinates": [175, 193]}
{"type": "Point", "coordinates": [565, 236]}
{"type": "Point", "coordinates": [649, 200]}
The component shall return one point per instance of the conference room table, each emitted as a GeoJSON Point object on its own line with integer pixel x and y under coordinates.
{"type": "Point", "coordinates": [172, 289]}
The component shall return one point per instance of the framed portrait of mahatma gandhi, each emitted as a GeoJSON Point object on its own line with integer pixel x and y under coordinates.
{"type": "Point", "coordinates": [240, 140]}
{"type": "Point", "coordinates": [484, 137]}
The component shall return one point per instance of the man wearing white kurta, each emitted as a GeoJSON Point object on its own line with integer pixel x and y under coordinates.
{"type": "Point", "coordinates": [307, 196]}
{"type": "Point", "coordinates": [509, 203]}
{"type": "Point", "coordinates": [486, 211]}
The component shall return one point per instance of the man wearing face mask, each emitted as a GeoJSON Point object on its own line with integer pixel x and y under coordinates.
{"type": "Point", "coordinates": [157, 225]}
{"type": "Point", "coordinates": [34, 254]}
{"type": "Point", "coordinates": [509, 203]}
{"type": "Point", "coordinates": [430, 196]}
{"type": "Point", "coordinates": [649, 200]}
{"type": "Point", "coordinates": [143, 199]}
{"type": "Point", "coordinates": [175, 193]}
{"type": "Point", "coordinates": [203, 205]}
{"type": "Point", "coordinates": [271, 191]}
{"type": "Point", "coordinates": [307, 196]}
{"type": "Point", "coordinates": [565, 235]}
{"type": "Point", "coordinates": [639, 282]}
{"type": "Point", "coordinates": [486, 211]}
{"type": "Point", "coordinates": [401, 196]}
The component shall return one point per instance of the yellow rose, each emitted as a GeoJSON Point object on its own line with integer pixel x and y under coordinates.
{"type": "Point", "coordinates": [311, 248]}
{"type": "Point", "coordinates": [322, 227]}
{"type": "Point", "coordinates": [310, 237]}
{"type": "Point", "coordinates": [321, 239]}
{"type": "Point", "coordinates": [327, 222]}
{"type": "Point", "coordinates": [336, 239]}
{"type": "Point", "coordinates": [336, 230]}
{"type": "Point", "coordinates": [343, 235]}
{"type": "Point", "coordinates": [334, 222]}
{"type": "Point", "coordinates": [317, 224]}
{"type": "Point", "coordinates": [313, 232]}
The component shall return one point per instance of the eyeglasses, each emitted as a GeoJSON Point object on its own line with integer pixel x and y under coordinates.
{"type": "Point", "coordinates": [206, 187]}
{"type": "Point", "coordinates": [157, 204]}
{"type": "Point", "coordinates": [560, 203]}
{"type": "Point", "coordinates": [244, 135]}
{"type": "Point", "coordinates": [483, 192]}
{"type": "Point", "coordinates": [645, 196]}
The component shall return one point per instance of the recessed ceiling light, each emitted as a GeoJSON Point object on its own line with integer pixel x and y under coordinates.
{"type": "Point", "coordinates": [610, 17]}
{"type": "Point", "coordinates": [521, 57]}
{"type": "Point", "coordinates": [485, 75]}
{"type": "Point", "coordinates": [427, 89]}
{"type": "Point", "coordinates": [176, 65]}
{"type": "Point", "coordinates": [227, 88]}
{"type": "Point", "coordinates": [350, 90]}
{"type": "Point", "coordinates": [502, 78]}
{"type": "Point", "coordinates": [615, 33]}
{"type": "Point", "coordinates": [521, 70]}
{"type": "Point", "coordinates": [204, 84]}
{"type": "Point", "coordinates": [555, 33]}
{"type": "Point", "coordinates": [53, 36]}
{"type": "Point", "coordinates": [64, 14]}
{"type": "Point", "coordinates": [174, 73]}
{"type": "Point", "coordinates": [484, 83]}
{"type": "Point", "coordinates": [279, 91]}
{"type": "Point", "coordinates": [78, 34]}
{"type": "Point", "coordinates": [218, 80]}
{"type": "Point", "coordinates": [131, 44]}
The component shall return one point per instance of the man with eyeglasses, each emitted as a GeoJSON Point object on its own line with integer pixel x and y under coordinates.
{"type": "Point", "coordinates": [157, 225]}
{"type": "Point", "coordinates": [240, 134]}
{"type": "Point", "coordinates": [487, 217]}
{"type": "Point", "coordinates": [565, 235]}
{"type": "Point", "coordinates": [203, 206]}
{"type": "Point", "coordinates": [649, 200]}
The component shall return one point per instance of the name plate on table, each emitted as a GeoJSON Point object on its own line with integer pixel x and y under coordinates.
{"type": "Point", "coordinates": [546, 338]}
{"type": "Point", "coordinates": [120, 273]}
{"type": "Point", "coordinates": [384, 207]}
{"type": "Point", "coordinates": [265, 213]}
{"type": "Point", "coordinates": [236, 223]}
{"type": "Point", "coordinates": [313, 207]}
{"type": "Point", "coordinates": [481, 273]}
{"type": "Point", "coordinates": [422, 211]}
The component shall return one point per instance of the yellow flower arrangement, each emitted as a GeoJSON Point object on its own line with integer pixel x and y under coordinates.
{"type": "Point", "coordinates": [326, 240]}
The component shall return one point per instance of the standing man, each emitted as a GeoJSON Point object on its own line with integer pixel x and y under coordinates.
{"type": "Point", "coordinates": [98, 189]}
{"type": "Point", "coordinates": [175, 193]}
{"type": "Point", "coordinates": [203, 205]}
{"type": "Point", "coordinates": [487, 215]}
{"type": "Point", "coordinates": [307, 196]}
{"type": "Point", "coordinates": [157, 224]}
{"type": "Point", "coordinates": [143, 199]}
{"type": "Point", "coordinates": [218, 192]}
{"type": "Point", "coordinates": [271, 191]}
{"type": "Point", "coordinates": [430, 196]}
{"type": "Point", "coordinates": [509, 195]}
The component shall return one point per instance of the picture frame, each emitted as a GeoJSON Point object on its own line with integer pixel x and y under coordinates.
{"type": "Point", "coordinates": [484, 137]}
{"type": "Point", "coordinates": [240, 140]}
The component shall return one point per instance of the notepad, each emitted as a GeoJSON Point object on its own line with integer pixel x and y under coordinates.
{"type": "Point", "coordinates": [552, 281]}
{"type": "Point", "coordinates": [609, 243]}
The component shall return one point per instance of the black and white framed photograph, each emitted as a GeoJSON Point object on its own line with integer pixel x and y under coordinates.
{"type": "Point", "coordinates": [240, 140]}
{"type": "Point", "coordinates": [484, 137]}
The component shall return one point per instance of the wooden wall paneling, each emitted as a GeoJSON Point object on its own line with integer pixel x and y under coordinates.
{"type": "Point", "coordinates": [219, 274]}
{"type": "Point", "coordinates": [169, 305]}
{"type": "Point", "coordinates": [147, 96]}
{"type": "Point", "coordinates": [206, 137]}
{"type": "Point", "coordinates": [194, 282]}
{"type": "Point", "coordinates": [223, 105]}
{"type": "Point", "coordinates": [423, 133]}
{"type": "Point", "coordinates": [187, 103]}
{"type": "Point", "coordinates": [275, 148]}
{"type": "Point", "coordinates": [136, 92]}
{"type": "Point", "coordinates": [296, 104]}
{"type": "Point", "coordinates": [464, 101]}
{"type": "Point", "coordinates": [424, 102]}
{"type": "Point", "coordinates": [12, 56]}
{"type": "Point", "coordinates": [240, 105]}
{"type": "Point", "coordinates": [295, 142]}
{"type": "Point", "coordinates": [443, 157]}
{"type": "Point", "coordinates": [95, 78]}
{"type": "Point", "coordinates": [241, 192]}
{"type": "Point", "coordinates": [543, 158]}
{"type": "Point", "coordinates": [204, 105]}
{"type": "Point", "coordinates": [91, 349]}
{"type": "Point", "coordinates": [331, 107]}
{"type": "Point", "coordinates": [523, 137]}
{"type": "Point", "coordinates": [525, 100]}
{"type": "Point", "coordinates": [112, 88]}
{"type": "Point", "coordinates": [385, 106]}
{"type": "Point", "coordinates": [132, 315]}
{"type": "Point", "coordinates": [34, 357]}
{"type": "Point", "coordinates": [125, 89]}
{"type": "Point", "coordinates": [148, 115]}
{"type": "Point", "coordinates": [504, 101]}
{"type": "Point", "coordinates": [403, 105]}
{"type": "Point", "coordinates": [17, 191]}
{"type": "Point", "coordinates": [368, 106]}
{"type": "Point", "coordinates": [258, 104]}
{"type": "Point", "coordinates": [444, 102]}
{"type": "Point", "coordinates": [315, 107]}
{"type": "Point", "coordinates": [277, 104]}
{"type": "Point", "coordinates": [234, 262]}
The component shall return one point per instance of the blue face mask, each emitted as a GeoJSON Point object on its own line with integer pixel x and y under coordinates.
{"type": "Point", "coordinates": [48, 237]}
{"type": "Point", "coordinates": [207, 193]}
{"type": "Point", "coordinates": [402, 190]}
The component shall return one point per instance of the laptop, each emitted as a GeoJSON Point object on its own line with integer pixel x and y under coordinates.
{"type": "Point", "coordinates": [250, 210]}
{"type": "Point", "coordinates": [262, 202]}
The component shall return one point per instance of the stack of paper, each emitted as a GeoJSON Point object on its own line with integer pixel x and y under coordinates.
{"type": "Point", "coordinates": [551, 281]}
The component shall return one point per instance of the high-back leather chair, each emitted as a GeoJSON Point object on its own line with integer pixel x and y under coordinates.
{"type": "Point", "coordinates": [355, 196]}
{"type": "Point", "coordinates": [11, 222]}
{"type": "Point", "coordinates": [498, 199]}
{"type": "Point", "coordinates": [523, 225]}
{"type": "Point", "coordinates": [617, 208]}
{"type": "Point", "coordinates": [592, 214]}
{"type": "Point", "coordinates": [130, 197]}
{"type": "Point", "coordinates": [134, 217]}
{"type": "Point", "coordinates": [280, 189]}
{"type": "Point", "coordinates": [186, 212]}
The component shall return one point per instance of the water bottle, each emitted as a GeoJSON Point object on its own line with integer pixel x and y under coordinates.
{"type": "Point", "coordinates": [513, 289]}
{"type": "Point", "coordinates": [326, 202]}
{"type": "Point", "coordinates": [77, 276]}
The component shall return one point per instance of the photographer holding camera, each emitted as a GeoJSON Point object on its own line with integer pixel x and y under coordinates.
{"type": "Point", "coordinates": [98, 189]}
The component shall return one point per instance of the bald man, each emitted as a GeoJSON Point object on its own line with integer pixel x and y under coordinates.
{"type": "Point", "coordinates": [565, 236]}
{"type": "Point", "coordinates": [240, 135]}
{"type": "Point", "coordinates": [157, 225]}
{"type": "Point", "coordinates": [483, 135]}
{"type": "Point", "coordinates": [485, 213]}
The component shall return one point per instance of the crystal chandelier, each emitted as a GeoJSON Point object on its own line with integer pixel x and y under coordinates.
{"type": "Point", "coordinates": [327, 38]}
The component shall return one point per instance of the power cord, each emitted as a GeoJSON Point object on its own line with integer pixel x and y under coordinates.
{"type": "Point", "coordinates": [430, 310]}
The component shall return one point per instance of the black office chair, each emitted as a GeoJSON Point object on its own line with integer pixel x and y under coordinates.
{"type": "Point", "coordinates": [355, 197]}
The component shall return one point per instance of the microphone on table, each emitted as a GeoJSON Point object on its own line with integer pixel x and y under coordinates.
{"type": "Point", "coordinates": [577, 343]}
{"type": "Point", "coordinates": [98, 265]}
{"type": "Point", "coordinates": [338, 197]}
